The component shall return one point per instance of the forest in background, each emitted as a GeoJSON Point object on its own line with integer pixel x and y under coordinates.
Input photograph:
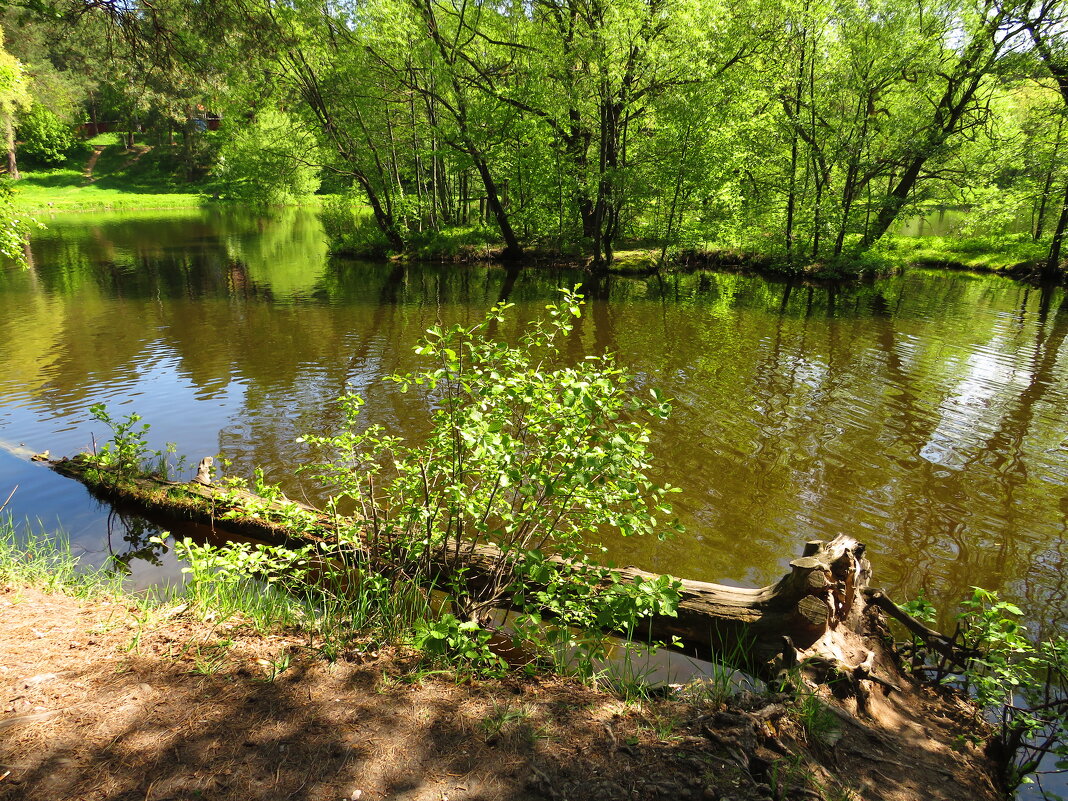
{"type": "Point", "coordinates": [803, 131]}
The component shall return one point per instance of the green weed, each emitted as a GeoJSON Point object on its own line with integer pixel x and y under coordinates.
{"type": "Point", "coordinates": [29, 556]}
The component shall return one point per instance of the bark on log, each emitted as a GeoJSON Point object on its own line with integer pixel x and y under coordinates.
{"type": "Point", "coordinates": [815, 613]}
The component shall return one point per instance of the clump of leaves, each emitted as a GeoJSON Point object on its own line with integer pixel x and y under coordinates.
{"type": "Point", "coordinates": [44, 136]}
{"type": "Point", "coordinates": [462, 641]}
{"type": "Point", "coordinates": [127, 450]}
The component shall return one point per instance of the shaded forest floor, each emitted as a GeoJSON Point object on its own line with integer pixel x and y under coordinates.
{"type": "Point", "coordinates": [105, 701]}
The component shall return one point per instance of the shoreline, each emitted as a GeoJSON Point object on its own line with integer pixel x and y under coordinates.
{"type": "Point", "coordinates": [108, 699]}
{"type": "Point", "coordinates": [725, 260]}
{"type": "Point", "coordinates": [961, 256]}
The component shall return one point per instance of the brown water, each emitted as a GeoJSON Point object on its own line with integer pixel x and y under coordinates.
{"type": "Point", "coordinates": [925, 414]}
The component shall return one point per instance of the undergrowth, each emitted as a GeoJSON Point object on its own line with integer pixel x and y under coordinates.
{"type": "Point", "coordinates": [36, 559]}
{"type": "Point", "coordinates": [1020, 684]}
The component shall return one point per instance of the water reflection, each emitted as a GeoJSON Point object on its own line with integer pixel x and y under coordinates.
{"type": "Point", "coordinates": [926, 413]}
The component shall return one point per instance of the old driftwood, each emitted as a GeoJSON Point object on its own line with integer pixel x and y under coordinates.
{"type": "Point", "coordinates": [818, 614]}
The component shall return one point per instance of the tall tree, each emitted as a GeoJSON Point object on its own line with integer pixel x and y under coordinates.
{"type": "Point", "coordinates": [1045, 24]}
{"type": "Point", "coordinates": [14, 95]}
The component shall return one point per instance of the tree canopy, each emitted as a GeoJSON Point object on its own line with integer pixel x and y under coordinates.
{"type": "Point", "coordinates": [801, 129]}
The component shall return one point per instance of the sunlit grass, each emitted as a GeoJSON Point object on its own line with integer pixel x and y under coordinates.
{"type": "Point", "coordinates": [365, 613]}
{"type": "Point", "coordinates": [36, 199]}
{"type": "Point", "coordinates": [31, 557]}
{"type": "Point", "coordinates": [976, 252]}
{"type": "Point", "coordinates": [120, 179]}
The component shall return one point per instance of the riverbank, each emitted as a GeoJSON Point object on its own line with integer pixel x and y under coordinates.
{"type": "Point", "coordinates": [1015, 257]}
{"type": "Point", "coordinates": [185, 695]}
{"type": "Point", "coordinates": [106, 699]}
{"type": "Point", "coordinates": [116, 178]}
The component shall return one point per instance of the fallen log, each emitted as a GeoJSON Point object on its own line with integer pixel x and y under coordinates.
{"type": "Point", "coordinates": [816, 614]}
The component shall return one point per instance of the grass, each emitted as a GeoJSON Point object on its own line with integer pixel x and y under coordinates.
{"type": "Point", "coordinates": [121, 179]}
{"type": "Point", "coordinates": [980, 253]}
{"type": "Point", "coordinates": [48, 562]}
{"type": "Point", "coordinates": [367, 614]}
{"type": "Point", "coordinates": [364, 616]}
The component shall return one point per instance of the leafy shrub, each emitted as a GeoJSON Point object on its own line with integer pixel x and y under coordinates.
{"type": "Point", "coordinates": [350, 231]}
{"type": "Point", "coordinates": [454, 241]}
{"type": "Point", "coordinates": [127, 451]}
{"type": "Point", "coordinates": [44, 137]}
{"type": "Point", "coordinates": [460, 640]}
{"type": "Point", "coordinates": [14, 226]}
{"type": "Point", "coordinates": [265, 162]}
{"type": "Point", "coordinates": [525, 457]}
{"type": "Point", "coordinates": [1022, 686]}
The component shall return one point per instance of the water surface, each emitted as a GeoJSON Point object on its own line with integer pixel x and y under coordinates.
{"type": "Point", "coordinates": [925, 414]}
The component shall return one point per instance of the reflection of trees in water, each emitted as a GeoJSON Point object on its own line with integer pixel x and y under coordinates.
{"type": "Point", "coordinates": [1043, 585]}
{"type": "Point", "coordinates": [986, 521]}
{"type": "Point", "coordinates": [128, 540]}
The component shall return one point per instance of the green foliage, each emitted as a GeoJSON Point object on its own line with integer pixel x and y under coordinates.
{"type": "Point", "coordinates": [14, 225]}
{"type": "Point", "coordinates": [44, 136]}
{"type": "Point", "coordinates": [351, 231]}
{"type": "Point", "coordinates": [267, 162]}
{"type": "Point", "coordinates": [992, 629]}
{"type": "Point", "coordinates": [525, 455]}
{"type": "Point", "coordinates": [14, 84]}
{"type": "Point", "coordinates": [127, 451]}
{"type": "Point", "coordinates": [921, 608]}
{"type": "Point", "coordinates": [128, 448]}
{"type": "Point", "coordinates": [461, 641]}
{"type": "Point", "coordinates": [40, 560]}
{"type": "Point", "coordinates": [1020, 684]}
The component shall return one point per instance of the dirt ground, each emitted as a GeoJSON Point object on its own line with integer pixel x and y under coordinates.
{"type": "Point", "coordinates": [98, 706]}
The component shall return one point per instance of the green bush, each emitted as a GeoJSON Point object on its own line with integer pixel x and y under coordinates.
{"type": "Point", "coordinates": [528, 455]}
{"type": "Point", "coordinates": [13, 226]}
{"type": "Point", "coordinates": [44, 137]}
{"type": "Point", "coordinates": [1021, 685]}
{"type": "Point", "coordinates": [265, 162]}
{"type": "Point", "coordinates": [351, 231]}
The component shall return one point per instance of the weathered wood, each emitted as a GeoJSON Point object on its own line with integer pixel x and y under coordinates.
{"type": "Point", "coordinates": [817, 609]}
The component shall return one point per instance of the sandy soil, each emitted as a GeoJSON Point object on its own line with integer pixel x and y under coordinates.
{"type": "Point", "coordinates": [98, 706]}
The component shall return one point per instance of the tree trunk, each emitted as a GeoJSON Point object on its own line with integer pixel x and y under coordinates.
{"type": "Point", "coordinates": [512, 248]}
{"type": "Point", "coordinates": [9, 136]}
{"type": "Point", "coordinates": [791, 198]}
{"type": "Point", "coordinates": [1052, 268]}
{"type": "Point", "coordinates": [1047, 184]}
{"type": "Point", "coordinates": [386, 224]}
{"type": "Point", "coordinates": [892, 204]}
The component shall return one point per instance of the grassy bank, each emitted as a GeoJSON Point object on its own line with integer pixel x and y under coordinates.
{"type": "Point", "coordinates": [353, 233]}
{"type": "Point", "coordinates": [1010, 253]}
{"type": "Point", "coordinates": [103, 174]}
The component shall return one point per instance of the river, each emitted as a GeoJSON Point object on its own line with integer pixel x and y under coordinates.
{"type": "Point", "coordinates": [925, 414]}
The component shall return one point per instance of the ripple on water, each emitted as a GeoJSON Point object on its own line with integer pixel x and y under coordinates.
{"type": "Point", "coordinates": [934, 430]}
